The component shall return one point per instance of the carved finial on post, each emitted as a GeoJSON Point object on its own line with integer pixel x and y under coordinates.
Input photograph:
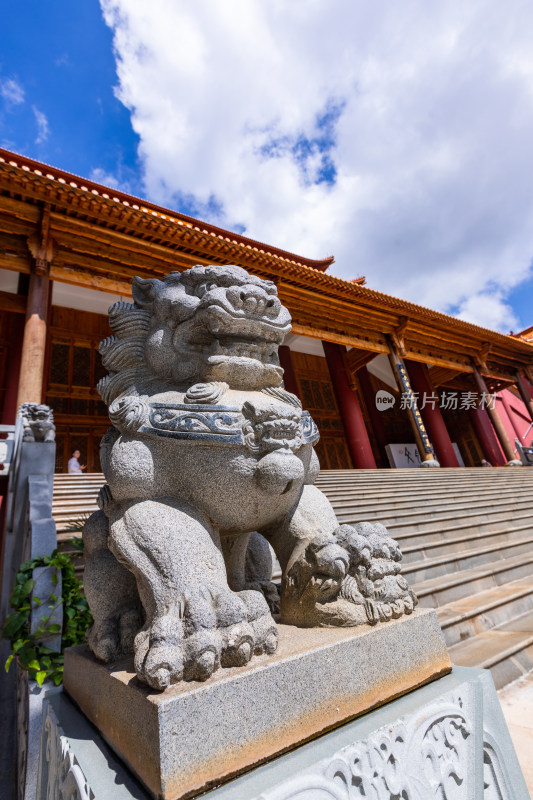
{"type": "Point", "coordinates": [37, 423]}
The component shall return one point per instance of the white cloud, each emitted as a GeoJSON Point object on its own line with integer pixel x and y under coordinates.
{"type": "Point", "coordinates": [395, 137]}
{"type": "Point", "coordinates": [490, 311]}
{"type": "Point", "coordinates": [99, 175]}
{"type": "Point", "coordinates": [123, 179]}
{"type": "Point", "coordinates": [43, 129]}
{"type": "Point", "coordinates": [12, 92]}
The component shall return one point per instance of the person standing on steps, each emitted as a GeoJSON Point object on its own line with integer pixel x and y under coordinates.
{"type": "Point", "coordinates": [74, 466]}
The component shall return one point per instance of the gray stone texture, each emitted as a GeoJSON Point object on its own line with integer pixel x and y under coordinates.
{"type": "Point", "coordinates": [205, 450]}
{"type": "Point", "coordinates": [195, 735]}
{"type": "Point", "coordinates": [447, 740]}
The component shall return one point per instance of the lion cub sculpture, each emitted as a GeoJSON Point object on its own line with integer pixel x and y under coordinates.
{"type": "Point", "coordinates": [206, 448]}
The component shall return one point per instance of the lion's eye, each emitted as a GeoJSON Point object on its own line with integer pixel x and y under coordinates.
{"type": "Point", "coordinates": [202, 288]}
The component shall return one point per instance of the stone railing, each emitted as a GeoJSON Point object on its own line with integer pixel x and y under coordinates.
{"type": "Point", "coordinates": [29, 532]}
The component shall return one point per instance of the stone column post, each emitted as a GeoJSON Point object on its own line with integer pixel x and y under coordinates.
{"type": "Point", "coordinates": [289, 375]}
{"type": "Point", "coordinates": [431, 415]}
{"type": "Point", "coordinates": [497, 424]}
{"type": "Point", "coordinates": [425, 448]}
{"type": "Point", "coordinates": [351, 415]}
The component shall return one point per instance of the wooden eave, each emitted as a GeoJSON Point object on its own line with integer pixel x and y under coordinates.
{"type": "Point", "coordinates": [102, 239]}
{"type": "Point", "coordinates": [37, 181]}
{"type": "Point", "coordinates": [526, 335]}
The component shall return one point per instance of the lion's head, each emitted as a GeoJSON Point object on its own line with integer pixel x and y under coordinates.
{"type": "Point", "coordinates": [208, 323]}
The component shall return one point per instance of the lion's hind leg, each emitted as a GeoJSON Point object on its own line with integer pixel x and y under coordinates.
{"type": "Point", "coordinates": [111, 592]}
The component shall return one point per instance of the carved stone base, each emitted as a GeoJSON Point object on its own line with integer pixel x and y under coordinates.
{"type": "Point", "coordinates": [447, 739]}
{"type": "Point", "coordinates": [195, 735]}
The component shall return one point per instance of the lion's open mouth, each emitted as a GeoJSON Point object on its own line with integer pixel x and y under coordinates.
{"type": "Point", "coordinates": [229, 347]}
{"type": "Point", "coordinates": [283, 429]}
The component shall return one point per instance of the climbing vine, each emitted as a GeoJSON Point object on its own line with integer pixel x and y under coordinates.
{"type": "Point", "coordinates": [29, 649]}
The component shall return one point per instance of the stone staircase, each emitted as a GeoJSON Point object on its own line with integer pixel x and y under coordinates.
{"type": "Point", "coordinates": [467, 542]}
{"type": "Point", "coordinates": [74, 500]}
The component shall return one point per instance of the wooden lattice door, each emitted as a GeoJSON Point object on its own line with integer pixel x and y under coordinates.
{"type": "Point", "coordinates": [74, 369]}
{"type": "Point", "coordinates": [317, 397]}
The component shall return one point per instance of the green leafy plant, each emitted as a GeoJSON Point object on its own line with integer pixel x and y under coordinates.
{"type": "Point", "coordinates": [29, 649]}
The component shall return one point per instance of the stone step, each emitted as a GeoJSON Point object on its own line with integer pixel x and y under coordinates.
{"type": "Point", "coordinates": [382, 486]}
{"type": "Point", "coordinates": [472, 615]}
{"type": "Point", "coordinates": [466, 559]}
{"type": "Point", "coordinates": [81, 512]}
{"type": "Point", "coordinates": [506, 650]}
{"type": "Point", "coordinates": [67, 505]}
{"type": "Point", "coordinates": [422, 550]}
{"type": "Point", "coordinates": [66, 491]}
{"type": "Point", "coordinates": [443, 473]}
{"type": "Point", "coordinates": [419, 486]}
{"type": "Point", "coordinates": [396, 498]}
{"type": "Point", "coordinates": [390, 488]}
{"type": "Point", "coordinates": [443, 589]}
{"type": "Point", "coordinates": [430, 518]}
{"type": "Point", "coordinates": [79, 481]}
{"type": "Point", "coordinates": [467, 528]}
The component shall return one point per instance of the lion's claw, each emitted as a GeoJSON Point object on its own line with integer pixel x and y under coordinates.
{"type": "Point", "coordinates": [206, 630]}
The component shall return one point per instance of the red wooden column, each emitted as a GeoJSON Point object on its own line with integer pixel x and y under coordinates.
{"type": "Point", "coordinates": [501, 433]}
{"type": "Point", "coordinates": [527, 397]}
{"type": "Point", "coordinates": [431, 414]}
{"type": "Point", "coordinates": [510, 416]}
{"type": "Point", "coordinates": [34, 342]}
{"type": "Point", "coordinates": [351, 415]}
{"type": "Point", "coordinates": [376, 419]}
{"type": "Point", "coordinates": [487, 438]}
{"type": "Point", "coordinates": [289, 375]}
{"type": "Point", "coordinates": [9, 410]}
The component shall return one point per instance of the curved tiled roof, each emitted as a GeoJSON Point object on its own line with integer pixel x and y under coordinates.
{"type": "Point", "coordinates": [306, 273]}
{"type": "Point", "coordinates": [172, 217]}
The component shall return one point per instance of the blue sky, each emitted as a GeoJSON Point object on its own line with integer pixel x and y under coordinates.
{"type": "Point", "coordinates": [60, 55]}
{"type": "Point", "coordinates": [397, 139]}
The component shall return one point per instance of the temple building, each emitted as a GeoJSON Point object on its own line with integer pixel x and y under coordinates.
{"type": "Point", "coordinates": [389, 382]}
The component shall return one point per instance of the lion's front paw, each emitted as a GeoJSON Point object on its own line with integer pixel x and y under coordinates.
{"type": "Point", "coordinates": [374, 581]}
{"type": "Point", "coordinates": [313, 576]}
{"type": "Point", "coordinates": [208, 628]}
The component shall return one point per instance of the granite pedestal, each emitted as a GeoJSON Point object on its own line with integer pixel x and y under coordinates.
{"type": "Point", "coordinates": [447, 739]}
{"type": "Point", "coordinates": [196, 735]}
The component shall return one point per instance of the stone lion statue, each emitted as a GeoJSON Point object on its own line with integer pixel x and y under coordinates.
{"type": "Point", "coordinates": [37, 423]}
{"type": "Point", "coordinates": [206, 449]}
